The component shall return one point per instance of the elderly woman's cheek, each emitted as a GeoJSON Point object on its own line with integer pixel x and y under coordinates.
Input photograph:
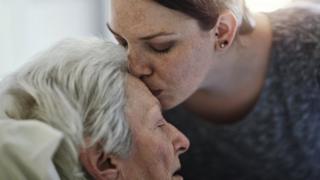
{"type": "Point", "coordinates": [165, 155]}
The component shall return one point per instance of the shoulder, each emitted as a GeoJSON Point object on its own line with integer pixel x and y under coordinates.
{"type": "Point", "coordinates": [296, 36]}
{"type": "Point", "coordinates": [295, 56]}
{"type": "Point", "coordinates": [296, 23]}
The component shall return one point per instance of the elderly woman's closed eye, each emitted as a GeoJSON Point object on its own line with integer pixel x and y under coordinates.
{"type": "Point", "coordinates": [112, 125]}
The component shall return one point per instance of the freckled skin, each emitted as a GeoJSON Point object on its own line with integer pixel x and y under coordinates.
{"type": "Point", "coordinates": [181, 71]}
{"type": "Point", "coordinates": [217, 83]}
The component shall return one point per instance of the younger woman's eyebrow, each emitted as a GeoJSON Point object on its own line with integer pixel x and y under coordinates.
{"type": "Point", "coordinates": [148, 37]}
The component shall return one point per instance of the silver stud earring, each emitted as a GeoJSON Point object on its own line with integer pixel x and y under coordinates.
{"type": "Point", "coordinates": [223, 44]}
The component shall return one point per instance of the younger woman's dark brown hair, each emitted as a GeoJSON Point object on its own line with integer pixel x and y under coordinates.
{"type": "Point", "coordinates": [207, 11]}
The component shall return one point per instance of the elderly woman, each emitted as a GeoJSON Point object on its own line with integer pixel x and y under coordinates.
{"type": "Point", "coordinates": [86, 114]}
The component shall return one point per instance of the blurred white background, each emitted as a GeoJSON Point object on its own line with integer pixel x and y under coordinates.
{"type": "Point", "coordinates": [28, 26]}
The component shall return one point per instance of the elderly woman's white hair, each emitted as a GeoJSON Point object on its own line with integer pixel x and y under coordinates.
{"type": "Point", "coordinates": [77, 87]}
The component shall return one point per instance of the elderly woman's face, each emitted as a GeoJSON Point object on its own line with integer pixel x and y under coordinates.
{"type": "Point", "coordinates": [166, 49]}
{"type": "Point", "coordinates": [156, 143]}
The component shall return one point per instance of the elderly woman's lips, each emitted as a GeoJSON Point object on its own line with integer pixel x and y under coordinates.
{"type": "Point", "coordinates": [156, 92]}
{"type": "Point", "coordinates": [177, 177]}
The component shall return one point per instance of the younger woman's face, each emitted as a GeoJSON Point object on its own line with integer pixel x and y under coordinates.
{"type": "Point", "coordinates": [166, 49]}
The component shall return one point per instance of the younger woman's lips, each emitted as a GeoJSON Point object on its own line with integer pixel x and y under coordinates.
{"type": "Point", "coordinates": [156, 92]}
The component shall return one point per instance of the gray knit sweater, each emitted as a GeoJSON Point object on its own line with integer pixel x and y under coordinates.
{"type": "Point", "coordinates": [280, 138]}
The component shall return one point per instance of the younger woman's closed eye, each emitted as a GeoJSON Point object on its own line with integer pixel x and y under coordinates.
{"type": "Point", "coordinates": [161, 47]}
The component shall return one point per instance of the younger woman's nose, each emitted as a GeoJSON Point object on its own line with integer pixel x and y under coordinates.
{"type": "Point", "coordinates": [138, 66]}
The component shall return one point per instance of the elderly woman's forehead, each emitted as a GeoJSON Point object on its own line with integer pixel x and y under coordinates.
{"type": "Point", "coordinates": [137, 92]}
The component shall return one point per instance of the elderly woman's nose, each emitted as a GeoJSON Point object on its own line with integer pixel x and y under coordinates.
{"type": "Point", "coordinates": [180, 142]}
{"type": "Point", "coordinates": [139, 66]}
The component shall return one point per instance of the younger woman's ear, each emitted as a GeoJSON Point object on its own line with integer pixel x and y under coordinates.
{"type": "Point", "coordinates": [98, 164]}
{"type": "Point", "coordinates": [225, 30]}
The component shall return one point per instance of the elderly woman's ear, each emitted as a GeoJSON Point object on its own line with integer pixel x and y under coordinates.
{"type": "Point", "coordinates": [98, 164]}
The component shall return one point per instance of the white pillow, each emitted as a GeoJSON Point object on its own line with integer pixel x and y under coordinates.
{"type": "Point", "coordinates": [26, 150]}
